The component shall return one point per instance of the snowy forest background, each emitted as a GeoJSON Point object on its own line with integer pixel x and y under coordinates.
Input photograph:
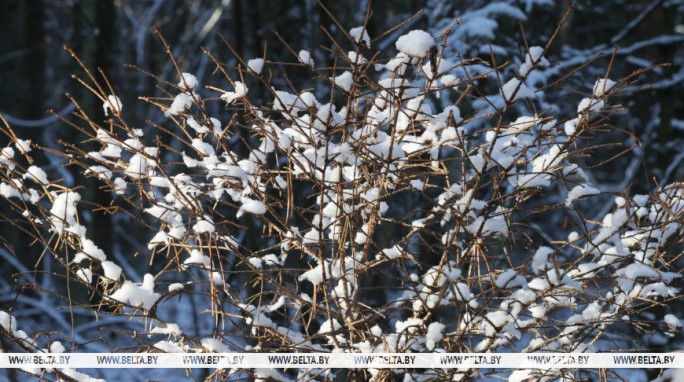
{"type": "Point", "coordinates": [511, 185]}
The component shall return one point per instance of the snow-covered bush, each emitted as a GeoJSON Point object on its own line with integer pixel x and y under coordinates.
{"type": "Point", "coordinates": [403, 209]}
